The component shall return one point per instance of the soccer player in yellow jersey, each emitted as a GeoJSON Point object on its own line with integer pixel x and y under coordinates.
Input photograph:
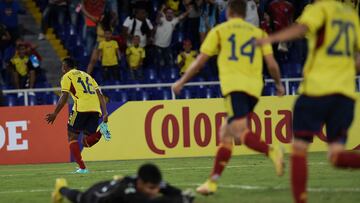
{"type": "Point", "coordinates": [327, 94]}
{"type": "Point", "coordinates": [89, 105]}
{"type": "Point", "coordinates": [240, 65]}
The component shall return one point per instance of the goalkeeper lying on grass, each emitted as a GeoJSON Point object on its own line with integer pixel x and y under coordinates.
{"type": "Point", "coordinates": [146, 187]}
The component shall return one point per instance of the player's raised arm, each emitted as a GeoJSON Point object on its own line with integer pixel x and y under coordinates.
{"type": "Point", "coordinates": [50, 118]}
{"type": "Point", "coordinates": [296, 31]}
{"type": "Point", "coordinates": [194, 68]}
{"type": "Point", "coordinates": [311, 20]}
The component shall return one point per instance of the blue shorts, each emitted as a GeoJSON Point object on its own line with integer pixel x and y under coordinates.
{"type": "Point", "coordinates": [334, 111]}
{"type": "Point", "coordinates": [239, 105]}
{"type": "Point", "coordinates": [86, 122]}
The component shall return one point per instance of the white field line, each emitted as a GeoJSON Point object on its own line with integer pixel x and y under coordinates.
{"type": "Point", "coordinates": [55, 172]}
{"type": "Point", "coordinates": [229, 186]}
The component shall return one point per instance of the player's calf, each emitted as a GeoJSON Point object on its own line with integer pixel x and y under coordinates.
{"type": "Point", "coordinates": [341, 158]}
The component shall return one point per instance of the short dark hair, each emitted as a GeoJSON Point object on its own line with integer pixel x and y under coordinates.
{"type": "Point", "coordinates": [70, 62]}
{"type": "Point", "coordinates": [150, 173]}
{"type": "Point", "coordinates": [238, 7]}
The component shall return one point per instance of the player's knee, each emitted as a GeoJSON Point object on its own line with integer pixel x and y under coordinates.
{"type": "Point", "coordinates": [72, 136]}
{"type": "Point", "coordinates": [239, 127]}
{"type": "Point", "coordinates": [299, 147]}
{"type": "Point", "coordinates": [333, 154]}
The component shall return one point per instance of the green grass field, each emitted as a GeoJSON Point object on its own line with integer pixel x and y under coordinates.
{"type": "Point", "coordinates": [247, 179]}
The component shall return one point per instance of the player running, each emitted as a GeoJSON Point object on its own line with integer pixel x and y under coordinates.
{"type": "Point", "coordinates": [327, 93]}
{"type": "Point", "coordinates": [240, 65]}
{"type": "Point", "coordinates": [146, 187]}
{"type": "Point", "coordinates": [86, 111]}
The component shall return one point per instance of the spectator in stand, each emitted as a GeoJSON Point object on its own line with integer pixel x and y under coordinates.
{"type": "Point", "coordinates": [221, 5]}
{"type": "Point", "coordinates": [4, 38]}
{"type": "Point", "coordinates": [166, 23]}
{"type": "Point", "coordinates": [9, 10]}
{"type": "Point", "coordinates": [92, 10]}
{"type": "Point", "coordinates": [109, 55]}
{"type": "Point", "coordinates": [74, 10]}
{"type": "Point", "coordinates": [192, 23]}
{"type": "Point", "coordinates": [266, 24]}
{"type": "Point", "coordinates": [30, 48]}
{"type": "Point", "coordinates": [138, 25]}
{"type": "Point", "coordinates": [186, 57]}
{"type": "Point", "coordinates": [252, 15]}
{"type": "Point", "coordinates": [105, 24]}
{"type": "Point", "coordinates": [135, 55]}
{"type": "Point", "coordinates": [2, 103]}
{"type": "Point", "coordinates": [282, 14]}
{"type": "Point", "coordinates": [58, 7]}
{"type": "Point", "coordinates": [207, 18]}
{"type": "Point", "coordinates": [22, 70]}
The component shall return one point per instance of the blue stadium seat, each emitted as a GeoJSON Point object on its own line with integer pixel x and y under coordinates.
{"type": "Point", "coordinates": [293, 88]}
{"type": "Point", "coordinates": [11, 100]}
{"type": "Point", "coordinates": [166, 95]}
{"type": "Point", "coordinates": [150, 75]}
{"type": "Point", "coordinates": [32, 100]}
{"type": "Point", "coordinates": [143, 95]}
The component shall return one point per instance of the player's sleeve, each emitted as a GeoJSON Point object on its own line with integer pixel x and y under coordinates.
{"type": "Point", "coordinates": [65, 84]}
{"type": "Point", "coordinates": [128, 51]}
{"type": "Point", "coordinates": [94, 84]}
{"type": "Point", "coordinates": [313, 17]}
{"type": "Point", "coordinates": [266, 49]}
{"type": "Point", "coordinates": [211, 43]}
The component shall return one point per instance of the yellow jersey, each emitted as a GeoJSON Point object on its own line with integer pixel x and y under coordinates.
{"type": "Point", "coordinates": [135, 55]}
{"type": "Point", "coordinates": [189, 58]}
{"type": "Point", "coordinates": [352, 3]}
{"type": "Point", "coordinates": [82, 88]}
{"type": "Point", "coordinates": [240, 61]}
{"type": "Point", "coordinates": [20, 65]}
{"type": "Point", "coordinates": [109, 52]}
{"type": "Point", "coordinates": [333, 38]}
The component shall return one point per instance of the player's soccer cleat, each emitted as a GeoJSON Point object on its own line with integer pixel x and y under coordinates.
{"type": "Point", "coordinates": [104, 130]}
{"type": "Point", "coordinates": [208, 188]}
{"type": "Point", "coordinates": [276, 154]}
{"type": "Point", "coordinates": [82, 171]}
{"type": "Point", "coordinates": [56, 195]}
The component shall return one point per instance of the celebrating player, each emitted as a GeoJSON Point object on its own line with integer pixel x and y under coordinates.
{"type": "Point", "coordinates": [146, 187]}
{"type": "Point", "coordinates": [240, 65]}
{"type": "Point", "coordinates": [86, 111]}
{"type": "Point", "coordinates": [328, 90]}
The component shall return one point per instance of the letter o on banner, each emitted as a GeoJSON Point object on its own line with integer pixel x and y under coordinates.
{"type": "Point", "coordinates": [2, 137]}
{"type": "Point", "coordinates": [197, 130]}
{"type": "Point", "coordinates": [165, 131]}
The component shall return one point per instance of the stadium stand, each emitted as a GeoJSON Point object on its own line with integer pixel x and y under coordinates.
{"type": "Point", "coordinates": [69, 38]}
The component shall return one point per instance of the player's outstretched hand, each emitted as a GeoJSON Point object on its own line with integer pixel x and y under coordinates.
{"type": "Point", "coordinates": [280, 90]}
{"type": "Point", "coordinates": [105, 117]}
{"type": "Point", "coordinates": [177, 87]}
{"type": "Point", "coordinates": [50, 118]}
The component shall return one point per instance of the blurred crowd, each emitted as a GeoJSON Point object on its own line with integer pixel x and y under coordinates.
{"type": "Point", "coordinates": [123, 40]}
